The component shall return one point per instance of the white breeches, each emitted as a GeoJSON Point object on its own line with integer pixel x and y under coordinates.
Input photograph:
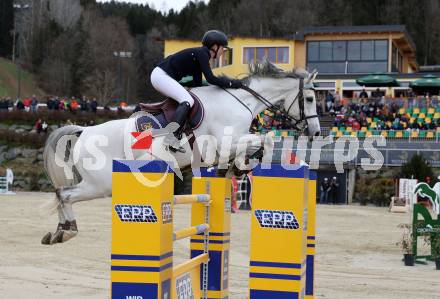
{"type": "Point", "coordinates": [169, 87]}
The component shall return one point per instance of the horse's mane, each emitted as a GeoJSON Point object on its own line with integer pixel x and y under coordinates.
{"type": "Point", "coordinates": [269, 70]}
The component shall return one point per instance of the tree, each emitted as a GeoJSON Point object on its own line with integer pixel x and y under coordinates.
{"type": "Point", "coordinates": [6, 27]}
{"type": "Point", "coordinates": [417, 168]}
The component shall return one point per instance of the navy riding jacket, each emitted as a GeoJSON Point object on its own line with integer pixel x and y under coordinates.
{"type": "Point", "coordinates": [192, 62]}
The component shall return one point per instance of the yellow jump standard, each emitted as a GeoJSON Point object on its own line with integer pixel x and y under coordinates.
{"type": "Point", "coordinates": [278, 232]}
{"type": "Point", "coordinates": [142, 234]}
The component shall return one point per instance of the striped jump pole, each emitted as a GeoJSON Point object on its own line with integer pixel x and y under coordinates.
{"type": "Point", "coordinates": [219, 231]}
{"type": "Point", "coordinates": [278, 232]}
{"type": "Point", "coordinates": [142, 234]}
{"type": "Point", "coordinates": [311, 237]}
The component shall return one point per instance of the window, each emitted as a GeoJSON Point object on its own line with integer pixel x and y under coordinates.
{"type": "Point", "coordinates": [227, 57]}
{"type": "Point", "coordinates": [313, 51]}
{"type": "Point", "coordinates": [273, 54]}
{"type": "Point", "coordinates": [339, 51]}
{"type": "Point", "coordinates": [396, 60]}
{"type": "Point", "coordinates": [367, 50]}
{"type": "Point", "coordinates": [224, 60]}
{"type": "Point", "coordinates": [381, 50]}
{"type": "Point", "coordinates": [283, 54]}
{"type": "Point", "coordinates": [325, 51]}
{"type": "Point", "coordinates": [354, 50]}
{"type": "Point", "coordinates": [248, 55]}
{"type": "Point", "coordinates": [353, 56]}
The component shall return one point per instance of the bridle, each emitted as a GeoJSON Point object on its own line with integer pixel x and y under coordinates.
{"type": "Point", "coordinates": [300, 97]}
{"type": "Point", "coordinates": [298, 124]}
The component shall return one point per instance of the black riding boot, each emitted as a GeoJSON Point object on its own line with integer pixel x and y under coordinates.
{"type": "Point", "coordinates": [180, 116]}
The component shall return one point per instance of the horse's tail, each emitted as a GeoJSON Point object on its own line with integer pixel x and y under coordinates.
{"type": "Point", "coordinates": [57, 173]}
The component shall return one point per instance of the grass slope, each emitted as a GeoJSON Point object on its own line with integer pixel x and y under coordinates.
{"type": "Point", "coordinates": [9, 81]}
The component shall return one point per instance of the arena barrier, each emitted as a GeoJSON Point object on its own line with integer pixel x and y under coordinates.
{"type": "Point", "coordinates": [424, 225]}
{"type": "Point", "coordinates": [4, 186]}
{"type": "Point", "coordinates": [282, 234]}
{"type": "Point", "coordinates": [5, 182]}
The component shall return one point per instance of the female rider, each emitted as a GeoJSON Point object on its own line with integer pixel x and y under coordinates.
{"type": "Point", "coordinates": [189, 62]}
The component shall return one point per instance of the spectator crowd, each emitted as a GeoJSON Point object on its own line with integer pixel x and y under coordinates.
{"type": "Point", "coordinates": [381, 113]}
{"type": "Point", "coordinates": [32, 104]}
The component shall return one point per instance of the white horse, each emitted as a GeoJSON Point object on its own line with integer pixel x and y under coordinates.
{"type": "Point", "coordinates": [89, 151]}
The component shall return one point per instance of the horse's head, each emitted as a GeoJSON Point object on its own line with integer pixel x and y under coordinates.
{"type": "Point", "coordinates": [295, 88]}
{"type": "Point", "coordinates": [301, 105]}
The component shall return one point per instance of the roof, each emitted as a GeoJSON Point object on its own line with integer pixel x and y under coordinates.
{"type": "Point", "coordinates": [354, 29]}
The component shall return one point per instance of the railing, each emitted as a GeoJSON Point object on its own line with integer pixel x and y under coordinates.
{"type": "Point", "coordinates": [279, 134]}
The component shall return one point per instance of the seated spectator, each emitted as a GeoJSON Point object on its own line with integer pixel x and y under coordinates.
{"type": "Point", "coordinates": [278, 120]}
{"type": "Point", "coordinates": [329, 101]}
{"type": "Point", "coordinates": [38, 126]}
{"type": "Point", "coordinates": [356, 126]}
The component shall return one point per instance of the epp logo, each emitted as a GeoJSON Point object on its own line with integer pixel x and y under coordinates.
{"type": "Point", "coordinates": [135, 213]}
{"type": "Point", "coordinates": [277, 219]}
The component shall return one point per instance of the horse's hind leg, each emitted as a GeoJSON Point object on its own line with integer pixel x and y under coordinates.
{"type": "Point", "coordinates": [67, 227]}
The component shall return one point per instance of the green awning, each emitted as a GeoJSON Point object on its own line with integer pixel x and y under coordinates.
{"type": "Point", "coordinates": [427, 82]}
{"type": "Point", "coordinates": [377, 80]}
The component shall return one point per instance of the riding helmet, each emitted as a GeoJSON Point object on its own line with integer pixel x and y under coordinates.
{"type": "Point", "coordinates": [214, 37]}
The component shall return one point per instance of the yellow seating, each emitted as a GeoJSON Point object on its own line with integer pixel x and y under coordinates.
{"type": "Point", "coordinates": [414, 134]}
{"type": "Point", "coordinates": [364, 129]}
{"type": "Point", "coordinates": [399, 134]}
{"type": "Point", "coordinates": [349, 129]}
{"type": "Point", "coordinates": [384, 133]}
{"type": "Point", "coordinates": [373, 125]}
{"type": "Point", "coordinates": [428, 120]}
{"type": "Point", "coordinates": [339, 134]}
{"type": "Point", "coordinates": [354, 134]}
{"type": "Point", "coordinates": [437, 115]}
{"type": "Point", "coordinates": [416, 111]}
{"type": "Point", "coordinates": [285, 134]}
{"type": "Point", "coordinates": [368, 134]}
{"type": "Point", "coordinates": [412, 120]}
{"type": "Point", "coordinates": [431, 110]}
{"type": "Point", "coordinates": [402, 111]}
{"type": "Point", "coordinates": [438, 129]}
{"type": "Point", "coordinates": [422, 115]}
{"type": "Point", "coordinates": [369, 120]}
{"type": "Point", "coordinates": [335, 129]}
{"type": "Point", "coordinates": [430, 134]}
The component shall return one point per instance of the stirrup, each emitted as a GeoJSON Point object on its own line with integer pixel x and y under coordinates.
{"type": "Point", "coordinates": [172, 143]}
{"type": "Point", "coordinates": [171, 148]}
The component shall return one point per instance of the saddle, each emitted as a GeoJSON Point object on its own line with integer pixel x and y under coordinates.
{"type": "Point", "coordinates": [163, 114]}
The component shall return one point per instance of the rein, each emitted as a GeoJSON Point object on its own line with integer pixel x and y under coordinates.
{"type": "Point", "coordinates": [272, 108]}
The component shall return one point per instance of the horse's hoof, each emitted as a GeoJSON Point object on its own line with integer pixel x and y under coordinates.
{"type": "Point", "coordinates": [62, 236]}
{"type": "Point", "coordinates": [46, 239]}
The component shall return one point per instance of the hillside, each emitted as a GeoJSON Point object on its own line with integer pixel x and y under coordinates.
{"type": "Point", "coordinates": [9, 81]}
